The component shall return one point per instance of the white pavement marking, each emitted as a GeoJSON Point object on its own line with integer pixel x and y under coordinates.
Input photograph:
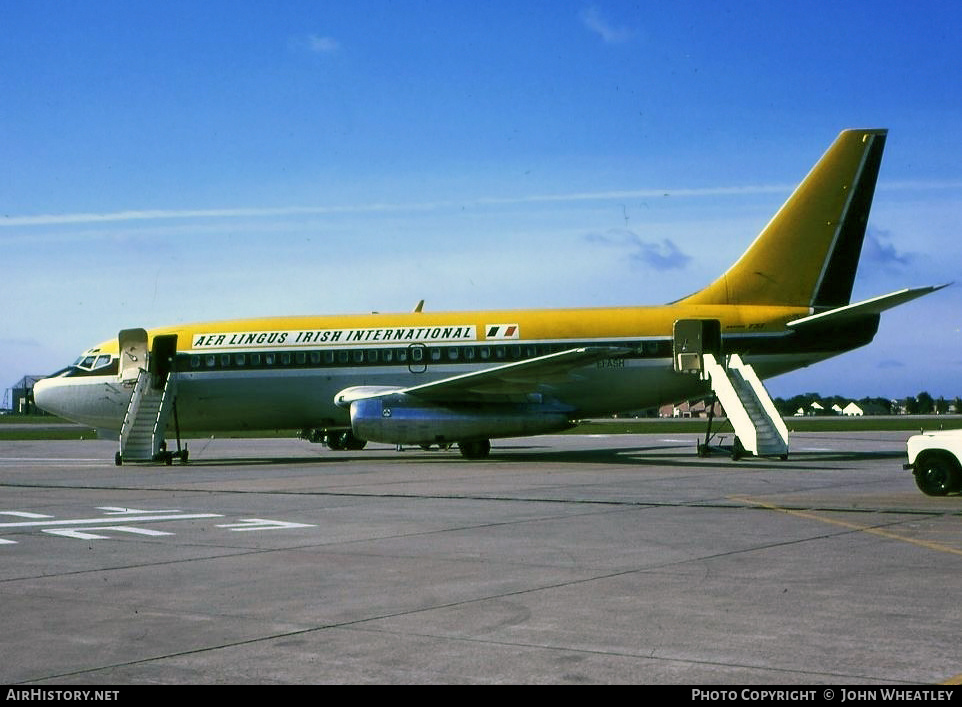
{"type": "Point", "coordinates": [262, 524]}
{"type": "Point", "coordinates": [85, 535]}
{"type": "Point", "coordinates": [93, 521]}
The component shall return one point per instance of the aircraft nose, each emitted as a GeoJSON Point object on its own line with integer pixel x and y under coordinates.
{"type": "Point", "coordinates": [47, 396]}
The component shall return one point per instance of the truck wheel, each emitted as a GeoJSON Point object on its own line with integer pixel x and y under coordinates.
{"type": "Point", "coordinates": [936, 475]}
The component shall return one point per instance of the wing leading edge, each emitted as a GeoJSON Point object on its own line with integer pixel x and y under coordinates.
{"type": "Point", "coordinates": [495, 384]}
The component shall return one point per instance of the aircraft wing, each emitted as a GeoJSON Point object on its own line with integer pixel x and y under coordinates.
{"type": "Point", "coordinates": [508, 382]}
{"type": "Point", "coordinates": [876, 305]}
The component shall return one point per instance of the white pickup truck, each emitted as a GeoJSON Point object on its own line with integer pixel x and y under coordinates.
{"type": "Point", "coordinates": [934, 458]}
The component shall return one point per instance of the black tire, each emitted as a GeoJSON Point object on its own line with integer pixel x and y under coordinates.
{"type": "Point", "coordinates": [475, 448]}
{"type": "Point", "coordinates": [345, 441]}
{"type": "Point", "coordinates": [937, 474]}
{"type": "Point", "coordinates": [353, 443]}
{"type": "Point", "coordinates": [335, 441]}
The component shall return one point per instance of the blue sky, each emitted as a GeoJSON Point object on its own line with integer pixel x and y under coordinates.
{"type": "Point", "coordinates": [182, 161]}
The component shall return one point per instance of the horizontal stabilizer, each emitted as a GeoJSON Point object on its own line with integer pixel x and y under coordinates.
{"type": "Point", "coordinates": [876, 305]}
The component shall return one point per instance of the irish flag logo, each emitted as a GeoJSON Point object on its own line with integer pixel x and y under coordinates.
{"type": "Point", "coordinates": [502, 331]}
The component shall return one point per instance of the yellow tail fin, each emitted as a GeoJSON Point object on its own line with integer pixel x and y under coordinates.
{"type": "Point", "coordinates": [807, 255]}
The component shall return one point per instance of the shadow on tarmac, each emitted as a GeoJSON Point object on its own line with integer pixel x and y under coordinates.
{"type": "Point", "coordinates": [666, 455]}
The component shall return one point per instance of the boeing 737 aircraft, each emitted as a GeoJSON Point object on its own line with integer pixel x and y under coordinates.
{"type": "Point", "coordinates": [465, 378]}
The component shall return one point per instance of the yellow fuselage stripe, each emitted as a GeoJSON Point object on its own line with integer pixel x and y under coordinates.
{"type": "Point", "coordinates": [533, 325]}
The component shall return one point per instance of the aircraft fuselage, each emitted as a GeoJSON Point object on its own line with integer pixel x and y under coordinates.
{"type": "Point", "coordinates": [284, 373]}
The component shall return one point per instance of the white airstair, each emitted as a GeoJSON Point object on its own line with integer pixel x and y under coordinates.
{"type": "Point", "coordinates": [142, 437]}
{"type": "Point", "coordinates": [759, 429]}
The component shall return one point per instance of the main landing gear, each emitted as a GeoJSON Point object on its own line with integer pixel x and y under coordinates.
{"type": "Point", "coordinates": [344, 441]}
{"type": "Point", "coordinates": [475, 448]}
{"type": "Point", "coordinates": [340, 440]}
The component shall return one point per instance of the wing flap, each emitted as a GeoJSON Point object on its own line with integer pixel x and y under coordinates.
{"type": "Point", "coordinates": [514, 379]}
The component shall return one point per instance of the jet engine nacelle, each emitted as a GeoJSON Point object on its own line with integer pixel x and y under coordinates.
{"type": "Point", "coordinates": [403, 419]}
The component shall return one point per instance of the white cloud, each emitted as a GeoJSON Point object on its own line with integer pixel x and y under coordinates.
{"type": "Point", "coordinates": [600, 25]}
{"type": "Point", "coordinates": [313, 44]}
{"type": "Point", "coordinates": [322, 45]}
{"type": "Point", "coordinates": [661, 256]}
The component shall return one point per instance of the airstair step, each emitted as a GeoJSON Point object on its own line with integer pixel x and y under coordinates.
{"type": "Point", "coordinates": [749, 407]}
{"type": "Point", "coordinates": [143, 431]}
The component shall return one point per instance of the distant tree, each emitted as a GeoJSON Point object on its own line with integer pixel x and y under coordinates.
{"type": "Point", "coordinates": [941, 405]}
{"type": "Point", "coordinates": [957, 404]}
{"type": "Point", "coordinates": [926, 403]}
{"type": "Point", "coordinates": [911, 406]}
{"type": "Point", "coordinates": [796, 402]}
{"type": "Point", "coordinates": [881, 406]}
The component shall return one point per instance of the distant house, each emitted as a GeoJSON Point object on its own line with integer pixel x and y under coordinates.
{"type": "Point", "coordinates": [853, 409]}
{"type": "Point", "coordinates": [688, 408]}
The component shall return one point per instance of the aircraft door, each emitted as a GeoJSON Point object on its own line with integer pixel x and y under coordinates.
{"type": "Point", "coordinates": [417, 358]}
{"type": "Point", "coordinates": [162, 355]}
{"type": "Point", "coordinates": [133, 353]}
{"type": "Point", "coordinates": [692, 339]}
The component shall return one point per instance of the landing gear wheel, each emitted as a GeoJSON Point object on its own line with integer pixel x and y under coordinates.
{"type": "Point", "coordinates": [335, 441]}
{"type": "Point", "coordinates": [343, 440]}
{"type": "Point", "coordinates": [118, 460]}
{"type": "Point", "coordinates": [936, 476]}
{"type": "Point", "coordinates": [475, 448]}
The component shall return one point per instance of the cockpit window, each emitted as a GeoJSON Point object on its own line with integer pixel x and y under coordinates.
{"type": "Point", "coordinates": [92, 363]}
{"type": "Point", "coordinates": [97, 364]}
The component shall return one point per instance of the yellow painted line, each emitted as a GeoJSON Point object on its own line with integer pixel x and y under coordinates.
{"type": "Point", "coordinates": [928, 544]}
{"type": "Point", "coordinates": [939, 547]}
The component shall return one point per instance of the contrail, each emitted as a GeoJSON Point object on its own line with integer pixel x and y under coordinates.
{"type": "Point", "coordinates": [260, 212]}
